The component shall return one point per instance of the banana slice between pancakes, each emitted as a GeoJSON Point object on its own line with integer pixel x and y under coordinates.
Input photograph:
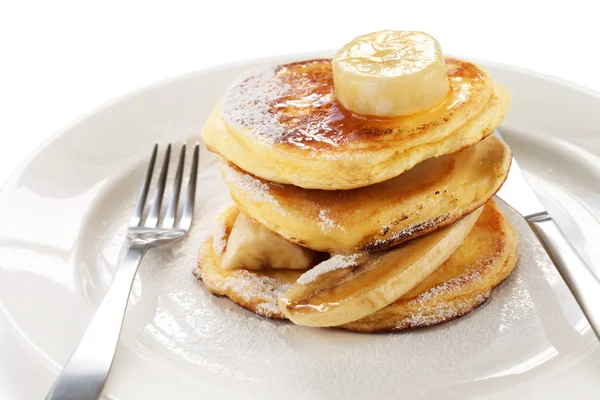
{"type": "Point", "coordinates": [463, 282]}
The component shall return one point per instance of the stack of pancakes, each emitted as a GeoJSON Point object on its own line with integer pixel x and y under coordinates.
{"type": "Point", "coordinates": [391, 219]}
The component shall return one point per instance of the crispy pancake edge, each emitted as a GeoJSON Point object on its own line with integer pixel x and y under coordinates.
{"type": "Point", "coordinates": [287, 220]}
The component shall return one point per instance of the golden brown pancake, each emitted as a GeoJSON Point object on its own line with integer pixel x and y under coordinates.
{"type": "Point", "coordinates": [282, 124]}
{"type": "Point", "coordinates": [465, 281]}
{"type": "Point", "coordinates": [435, 193]}
{"type": "Point", "coordinates": [348, 287]}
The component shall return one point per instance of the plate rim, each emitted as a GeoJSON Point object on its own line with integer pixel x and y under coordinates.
{"type": "Point", "coordinates": [8, 184]}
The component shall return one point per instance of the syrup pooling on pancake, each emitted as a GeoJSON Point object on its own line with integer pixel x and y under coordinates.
{"type": "Point", "coordinates": [283, 124]}
{"type": "Point", "coordinates": [293, 104]}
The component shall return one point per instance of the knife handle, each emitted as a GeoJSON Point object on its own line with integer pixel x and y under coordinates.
{"type": "Point", "coordinates": [583, 283]}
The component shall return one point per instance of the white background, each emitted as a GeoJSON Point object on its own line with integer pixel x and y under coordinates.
{"type": "Point", "coordinates": [60, 59]}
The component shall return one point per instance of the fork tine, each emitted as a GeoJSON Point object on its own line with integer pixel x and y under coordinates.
{"type": "Point", "coordinates": [171, 213]}
{"type": "Point", "coordinates": [188, 207]}
{"type": "Point", "coordinates": [143, 195]}
{"type": "Point", "coordinates": [154, 213]}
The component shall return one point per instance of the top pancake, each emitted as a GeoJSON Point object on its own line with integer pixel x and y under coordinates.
{"type": "Point", "coordinates": [284, 125]}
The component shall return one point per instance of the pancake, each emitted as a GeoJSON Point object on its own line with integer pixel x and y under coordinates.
{"type": "Point", "coordinates": [435, 193]}
{"type": "Point", "coordinates": [282, 124]}
{"type": "Point", "coordinates": [256, 291]}
{"type": "Point", "coordinates": [464, 282]}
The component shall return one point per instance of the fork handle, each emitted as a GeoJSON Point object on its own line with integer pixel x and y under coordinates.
{"type": "Point", "coordinates": [583, 283]}
{"type": "Point", "coordinates": [86, 371]}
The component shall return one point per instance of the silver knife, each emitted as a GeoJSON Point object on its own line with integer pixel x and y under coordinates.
{"type": "Point", "coordinates": [580, 279]}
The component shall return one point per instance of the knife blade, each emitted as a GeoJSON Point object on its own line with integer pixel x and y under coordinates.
{"type": "Point", "coordinates": [580, 279]}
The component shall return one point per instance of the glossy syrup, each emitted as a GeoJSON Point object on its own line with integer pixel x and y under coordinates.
{"type": "Point", "coordinates": [312, 118]}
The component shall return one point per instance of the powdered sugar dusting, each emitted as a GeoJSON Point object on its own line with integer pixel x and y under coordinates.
{"type": "Point", "coordinates": [247, 104]}
{"type": "Point", "coordinates": [187, 329]}
{"type": "Point", "coordinates": [452, 285]}
{"type": "Point", "coordinates": [441, 312]}
{"type": "Point", "coordinates": [444, 288]}
{"type": "Point", "coordinates": [254, 288]}
{"type": "Point", "coordinates": [269, 309]}
{"type": "Point", "coordinates": [325, 223]}
{"type": "Point", "coordinates": [407, 232]}
{"type": "Point", "coordinates": [252, 187]}
{"type": "Point", "coordinates": [338, 261]}
{"type": "Point", "coordinates": [219, 238]}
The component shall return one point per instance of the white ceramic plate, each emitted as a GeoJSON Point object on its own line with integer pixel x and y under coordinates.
{"type": "Point", "coordinates": [62, 219]}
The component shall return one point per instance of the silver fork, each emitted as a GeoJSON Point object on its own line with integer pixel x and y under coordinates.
{"type": "Point", "coordinates": [86, 371]}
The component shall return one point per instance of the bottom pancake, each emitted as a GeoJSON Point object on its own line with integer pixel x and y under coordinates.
{"type": "Point", "coordinates": [256, 291]}
{"type": "Point", "coordinates": [464, 282]}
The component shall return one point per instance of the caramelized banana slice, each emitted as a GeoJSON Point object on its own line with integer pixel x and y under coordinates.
{"type": "Point", "coordinates": [346, 288]}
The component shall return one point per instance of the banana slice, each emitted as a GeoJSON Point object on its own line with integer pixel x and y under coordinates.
{"type": "Point", "coordinates": [390, 73]}
{"type": "Point", "coordinates": [346, 288]}
{"type": "Point", "coordinates": [252, 246]}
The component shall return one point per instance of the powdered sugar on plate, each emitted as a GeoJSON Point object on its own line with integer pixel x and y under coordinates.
{"type": "Point", "coordinates": [174, 320]}
{"type": "Point", "coordinates": [247, 104]}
